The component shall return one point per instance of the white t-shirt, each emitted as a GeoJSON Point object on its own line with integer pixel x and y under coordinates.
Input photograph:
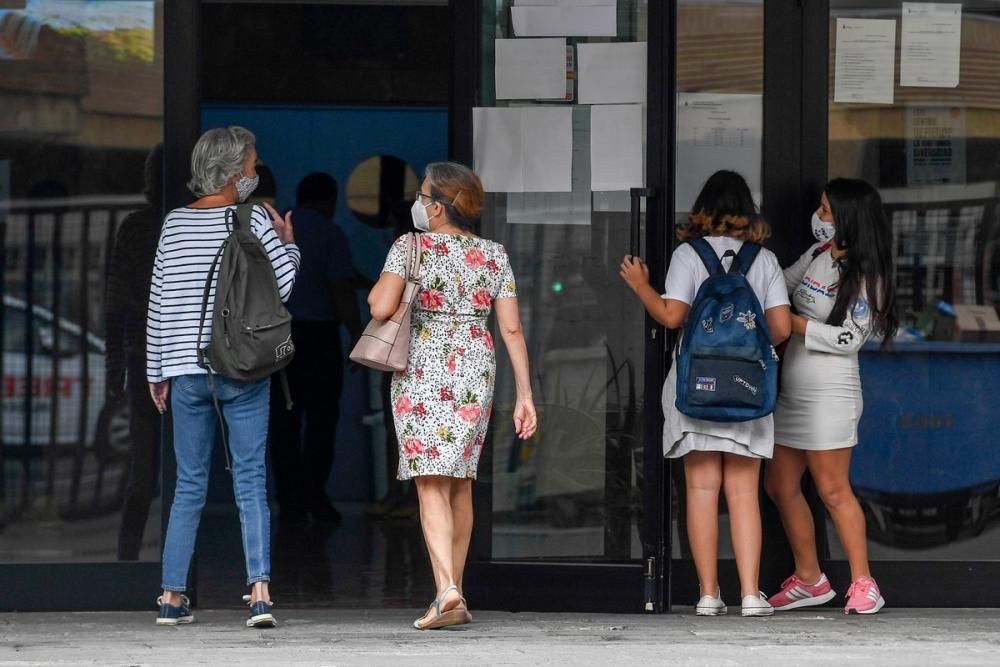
{"type": "Point", "coordinates": [682, 434]}
{"type": "Point", "coordinates": [687, 272]}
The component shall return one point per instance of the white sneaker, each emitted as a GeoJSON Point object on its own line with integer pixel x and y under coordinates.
{"type": "Point", "coordinates": [757, 605]}
{"type": "Point", "coordinates": [709, 606]}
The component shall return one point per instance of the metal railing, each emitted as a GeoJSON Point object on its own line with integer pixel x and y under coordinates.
{"type": "Point", "coordinates": [54, 259]}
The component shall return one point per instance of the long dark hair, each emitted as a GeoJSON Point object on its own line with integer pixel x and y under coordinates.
{"type": "Point", "coordinates": [725, 207]}
{"type": "Point", "coordinates": [862, 229]}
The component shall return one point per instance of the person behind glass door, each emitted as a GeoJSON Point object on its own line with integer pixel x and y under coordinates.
{"type": "Point", "coordinates": [304, 437]}
{"type": "Point", "coordinates": [843, 292]}
{"type": "Point", "coordinates": [266, 192]}
{"type": "Point", "coordinates": [718, 456]}
{"type": "Point", "coordinates": [442, 402]}
{"type": "Point", "coordinates": [127, 295]}
{"type": "Point", "coordinates": [222, 174]}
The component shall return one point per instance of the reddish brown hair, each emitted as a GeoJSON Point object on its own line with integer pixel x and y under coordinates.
{"type": "Point", "coordinates": [459, 190]}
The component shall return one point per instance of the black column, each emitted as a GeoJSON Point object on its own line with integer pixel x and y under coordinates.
{"type": "Point", "coordinates": [796, 88]}
{"type": "Point", "coordinates": [181, 127]}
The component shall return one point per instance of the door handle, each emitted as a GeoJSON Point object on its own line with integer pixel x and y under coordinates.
{"type": "Point", "coordinates": [636, 194]}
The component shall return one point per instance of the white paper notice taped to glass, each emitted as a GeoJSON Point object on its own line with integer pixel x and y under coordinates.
{"type": "Point", "coordinates": [531, 69]}
{"type": "Point", "coordinates": [565, 18]}
{"type": "Point", "coordinates": [561, 208]}
{"type": "Point", "coordinates": [717, 131]}
{"type": "Point", "coordinates": [930, 44]}
{"type": "Point", "coordinates": [523, 149]}
{"type": "Point", "coordinates": [866, 61]}
{"type": "Point", "coordinates": [611, 73]}
{"type": "Point", "coordinates": [616, 147]}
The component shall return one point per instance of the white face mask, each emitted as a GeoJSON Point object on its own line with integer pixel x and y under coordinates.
{"type": "Point", "coordinates": [823, 231]}
{"type": "Point", "coordinates": [419, 214]}
{"type": "Point", "coordinates": [245, 187]}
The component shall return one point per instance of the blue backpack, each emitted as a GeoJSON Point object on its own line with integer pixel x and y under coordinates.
{"type": "Point", "coordinates": [727, 369]}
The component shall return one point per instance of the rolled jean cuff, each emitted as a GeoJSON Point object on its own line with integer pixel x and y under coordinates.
{"type": "Point", "coordinates": [174, 589]}
{"type": "Point", "coordinates": [259, 578]}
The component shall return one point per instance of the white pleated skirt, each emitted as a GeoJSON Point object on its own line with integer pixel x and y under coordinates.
{"type": "Point", "coordinates": [683, 434]}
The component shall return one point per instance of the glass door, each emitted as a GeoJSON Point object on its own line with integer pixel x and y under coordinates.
{"type": "Point", "coordinates": [560, 139]}
{"type": "Point", "coordinates": [719, 57]}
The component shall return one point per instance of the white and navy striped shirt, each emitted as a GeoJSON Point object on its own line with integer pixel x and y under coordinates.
{"type": "Point", "coordinates": [188, 244]}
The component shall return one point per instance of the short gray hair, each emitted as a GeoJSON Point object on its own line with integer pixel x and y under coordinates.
{"type": "Point", "coordinates": [217, 157]}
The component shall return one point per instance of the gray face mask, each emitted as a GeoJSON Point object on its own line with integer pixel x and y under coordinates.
{"type": "Point", "coordinates": [245, 187]}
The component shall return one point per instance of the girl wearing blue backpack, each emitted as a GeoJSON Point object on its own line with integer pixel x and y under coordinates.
{"type": "Point", "coordinates": [718, 455]}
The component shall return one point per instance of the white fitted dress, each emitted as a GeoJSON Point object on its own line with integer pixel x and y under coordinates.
{"type": "Point", "coordinates": [820, 401]}
{"type": "Point", "coordinates": [683, 434]}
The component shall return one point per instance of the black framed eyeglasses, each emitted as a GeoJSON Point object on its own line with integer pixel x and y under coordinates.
{"type": "Point", "coordinates": [420, 196]}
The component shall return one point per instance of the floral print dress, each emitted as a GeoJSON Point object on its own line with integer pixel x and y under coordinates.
{"type": "Point", "coordinates": [442, 402]}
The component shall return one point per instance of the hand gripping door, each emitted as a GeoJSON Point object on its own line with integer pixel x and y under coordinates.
{"type": "Point", "coordinates": [385, 346]}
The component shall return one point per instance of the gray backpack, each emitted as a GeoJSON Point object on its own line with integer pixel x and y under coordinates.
{"type": "Point", "coordinates": [251, 328]}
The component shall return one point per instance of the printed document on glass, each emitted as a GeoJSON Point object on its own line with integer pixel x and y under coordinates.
{"type": "Point", "coordinates": [611, 73]}
{"type": "Point", "coordinates": [717, 131]}
{"type": "Point", "coordinates": [523, 149]}
{"type": "Point", "coordinates": [866, 61]}
{"type": "Point", "coordinates": [530, 69]}
{"type": "Point", "coordinates": [565, 18]}
{"type": "Point", "coordinates": [615, 147]}
{"type": "Point", "coordinates": [930, 44]}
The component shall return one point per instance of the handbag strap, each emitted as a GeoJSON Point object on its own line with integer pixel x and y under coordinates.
{"type": "Point", "coordinates": [413, 256]}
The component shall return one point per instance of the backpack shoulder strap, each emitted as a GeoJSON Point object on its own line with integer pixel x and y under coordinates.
{"type": "Point", "coordinates": [209, 280]}
{"type": "Point", "coordinates": [242, 218]}
{"type": "Point", "coordinates": [821, 249]}
{"type": "Point", "coordinates": [745, 259]}
{"type": "Point", "coordinates": [707, 255]}
{"type": "Point", "coordinates": [417, 250]}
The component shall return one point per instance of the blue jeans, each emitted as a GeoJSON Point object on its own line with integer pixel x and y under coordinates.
{"type": "Point", "coordinates": [245, 408]}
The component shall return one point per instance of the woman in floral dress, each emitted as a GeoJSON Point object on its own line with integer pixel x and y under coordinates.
{"type": "Point", "coordinates": [443, 401]}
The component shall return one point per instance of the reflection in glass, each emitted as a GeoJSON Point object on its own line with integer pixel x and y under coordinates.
{"type": "Point", "coordinates": [377, 185]}
{"type": "Point", "coordinates": [720, 50]}
{"type": "Point", "coordinates": [574, 490]}
{"type": "Point", "coordinates": [80, 108]}
{"type": "Point", "coordinates": [926, 470]}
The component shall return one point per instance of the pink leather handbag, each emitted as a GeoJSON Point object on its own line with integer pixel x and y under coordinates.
{"type": "Point", "coordinates": [385, 346]}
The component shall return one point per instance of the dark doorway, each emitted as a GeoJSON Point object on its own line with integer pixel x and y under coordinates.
{"type": "Point", "coordinates": [359, 93]}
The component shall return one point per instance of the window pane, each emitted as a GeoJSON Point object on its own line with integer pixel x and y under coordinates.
{"type": "Point", "coordinates": [81, 105]}
{"type": "Point", "coordinates": [573, 490]}
{"type": "Point", "coordinates": [926, 469]}
{"type": "Point", "coordinates": [720, 57]}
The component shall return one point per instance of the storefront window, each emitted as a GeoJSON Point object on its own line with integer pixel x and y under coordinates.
{"type": "Point", "coordinates": [559, 142]}
{"type": "Point", "coordinates": [81, 105]}
{"type": "Point", "coordinates": [925, 130]}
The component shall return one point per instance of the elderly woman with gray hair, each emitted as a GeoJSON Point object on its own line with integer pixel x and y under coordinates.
{"type": "Point", "coordinates": [222, 174]}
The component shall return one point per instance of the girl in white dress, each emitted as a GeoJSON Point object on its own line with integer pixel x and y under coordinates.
{"type": "Point", "coordinates": [718, 455]}
{"type": "Point", "coordinates": [843, 293]}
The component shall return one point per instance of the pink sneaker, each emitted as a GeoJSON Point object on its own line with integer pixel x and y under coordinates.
{"type": "Point", "coordinates": [796, 593]}
{"type": "Point", "coordinates": [864, 597]}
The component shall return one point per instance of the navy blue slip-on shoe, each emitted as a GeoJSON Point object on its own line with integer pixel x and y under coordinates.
{"type": "Point", "coordinates": [261, 616]}
{"type": "Point", "coordinates": [171, 615]}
